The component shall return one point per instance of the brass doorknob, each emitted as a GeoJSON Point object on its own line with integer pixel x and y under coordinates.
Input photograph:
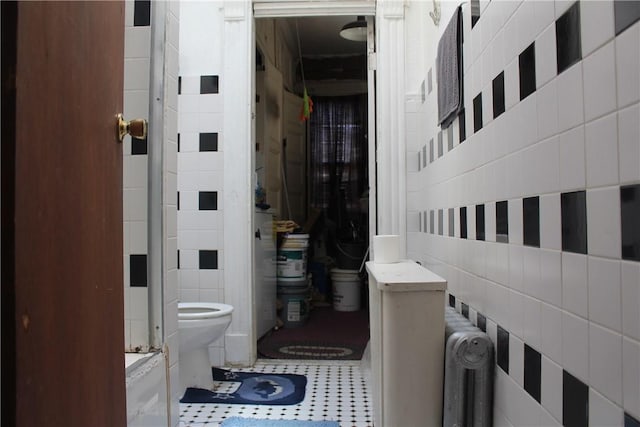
{"type": "Point", "coordinates": [137, 128]}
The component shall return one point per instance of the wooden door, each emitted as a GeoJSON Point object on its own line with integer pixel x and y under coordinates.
{"type": "Point", "coordinates": [295, 154]}
{"type": "Point", "coordinates": [67, 215]}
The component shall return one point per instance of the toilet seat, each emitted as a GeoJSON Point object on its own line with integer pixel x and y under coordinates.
{"type": "Point", "coordinates": [202, 310]}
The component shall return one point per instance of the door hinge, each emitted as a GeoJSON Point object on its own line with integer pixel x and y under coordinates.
{"type": "Point", "coordinates": [372, 61]}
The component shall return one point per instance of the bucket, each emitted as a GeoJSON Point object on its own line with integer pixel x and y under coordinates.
{"type": "Point", "coordinates": [292, 256]}
{"type": "Point", "coordinates": [346, 290]}
{"type": "Point", "coordinates": [295, 305]}
{"type": "Point", "coordinates": [292, 282]}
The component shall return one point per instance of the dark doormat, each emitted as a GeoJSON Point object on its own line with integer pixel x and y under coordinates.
{"type": "Point", "coordinates": [327, 335]}
{"type": "Point", "coordinates": [254, 389]}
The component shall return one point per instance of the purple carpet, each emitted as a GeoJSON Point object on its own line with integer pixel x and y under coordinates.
{"type": "Point", "coordinates": [327, 335]}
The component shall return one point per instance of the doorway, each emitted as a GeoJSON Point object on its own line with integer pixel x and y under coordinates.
{"type": "Point", "coordinates": [313, 174]}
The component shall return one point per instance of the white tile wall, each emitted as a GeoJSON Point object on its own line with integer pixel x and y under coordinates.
{"type": "Point", "coordinates": [577, 132]}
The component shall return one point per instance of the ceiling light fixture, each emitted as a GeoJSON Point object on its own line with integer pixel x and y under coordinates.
{"type": "Point", "coordinates": [355, 31]}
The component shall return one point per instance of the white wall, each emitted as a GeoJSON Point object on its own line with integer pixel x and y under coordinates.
{"type": "Point", "coordinates": [565, 319]}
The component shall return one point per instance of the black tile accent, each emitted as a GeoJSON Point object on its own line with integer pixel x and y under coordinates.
{"type": "Point", "coordinates": [209, 141]}
{"type": "Point", "coordinates": [481, 322]}
{"type": "Point", "coordinates": [178, 142]}
{"type": "Point", "coordinates": [431, 155]}
{"type": "Point", "coordinates": [452, 301]}
{"type": "Point", "coordinates": [462, 126]}
{"type": "Point", "coordinates": [475, 12]}
{"type": "Point", "coordinates": [630, 221]}
{"type": "Point", "coordinates": [430, 80]}
{"type": "Point", "coordinates": [138, 146]}
{"type": "Point", "coordinates": [451, 224]}
{"type": "Point", "coordinates": [424, 156]}
{"type": "Point", "coordinates": [532, 370]}
{"type": "Point", "coordinates": [573, 207]}
{"type": "Point", "coordinates": [208, 200]}
{"type": "Point", "coordinates": [498, 95]}
{"type": "Point", "coordinates": [575, 401]}
{"type": "Point", "coordinates": [179, 85]}
{"type": "Point", "coordinates": [178, 258]}
{"type": "Point", "coordinates": [178, 201]}
{"type": "Point", "coordinates": [463, 222]}
{"type": "Point", "coordinates": [531, 221]}
{"type": "Point", "coordinates": [450, 138]}
{"type": "Point", "coordinates": [629, 421]}
{"type": "Point", "coordinates": [568, 41]}
{"type": "Point", "coordinates": [432, 219]}
{"type": "Point", "coordinates": [142, 13]}
{"type": "Point", "coordinates": [208, 260]}
{"type": "Point", "coordinates": [208, 84]}
{"type": "Point", "coordinates": [527, 67]}
{"type": "Point", "coordinates": [480, 235]}
{"type": "Point", "coordinates": [440, 222]}
{"type": "Point", "coordinates": [423, 92]}
{"type": "Point", "coordinates": [627, 13]}
{"type": "Point", "coordinates": [465, 310]}
{"type": "Point", "coordinates": [477, 112]}
{"type": "Point", "coordinates": [138, 271]}
{"type": "Point", "coordinates": [503, 349]}
{"type": "Point", "coordinates": [502, 221]}
{"type": "Point", "coordinates": [440, 145]}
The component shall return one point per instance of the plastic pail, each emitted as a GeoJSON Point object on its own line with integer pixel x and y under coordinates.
{"type": "Point", "coordinates": [295, 305]}
{"type": "Point", "coordinates": [346, 290]}
{"type": "Point", "coordinates": [292, 263]}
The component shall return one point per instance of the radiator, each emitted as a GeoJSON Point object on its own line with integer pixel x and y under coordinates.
{"type": "Point", "coordinates": [468, 374]}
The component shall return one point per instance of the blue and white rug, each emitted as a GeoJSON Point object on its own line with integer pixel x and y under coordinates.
{"type": "Point", "coordinates": [252, 422]}
{"type": "Point", "coordinates": [253, 389]}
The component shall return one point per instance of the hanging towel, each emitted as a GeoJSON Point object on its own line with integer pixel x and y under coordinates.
{"type": "Point", "coordinates": [449, 71]}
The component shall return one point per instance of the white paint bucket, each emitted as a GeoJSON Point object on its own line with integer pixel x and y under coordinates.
{"type": "Point", "coordinates": [292, 256]}
{"type": "Point", "coordinates": [346, 289]}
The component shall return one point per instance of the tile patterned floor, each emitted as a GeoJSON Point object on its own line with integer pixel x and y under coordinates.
{"type": "Point", "coordinates": [336, 391]}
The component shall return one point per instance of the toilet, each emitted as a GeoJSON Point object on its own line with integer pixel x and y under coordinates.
{"type": "Point", "coordinates": [199, 324]}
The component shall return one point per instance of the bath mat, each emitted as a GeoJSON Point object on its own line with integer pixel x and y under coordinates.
{"type": "Point", "coordinates": [254, 389]}
{"type": "Point", "coordinates": [327, 335]}
{"type": "Point", "coordinates": [254, 422]}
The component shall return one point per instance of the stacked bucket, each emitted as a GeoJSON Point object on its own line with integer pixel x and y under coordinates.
{"type": "Point", "coordinates": [293, 291]}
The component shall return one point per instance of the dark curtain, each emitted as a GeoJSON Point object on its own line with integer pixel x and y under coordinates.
{"type": "Point", "coordinates": [338, 128]}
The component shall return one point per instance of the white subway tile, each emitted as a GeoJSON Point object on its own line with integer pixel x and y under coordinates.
{"type": "Point", "coordinates": [604, 293]}
{"type": "Point", "coordinates": [532, 313]}
{"type": "Point", "coordinates": [189, 283]}
{"type": "Point", "coordinates": [516, 313]}
{"type": "Point", "coordinates": [187, 122]}
{"type": "Point", "coordinates": [550, 222]}
{"type": "Point", "coordinates": [511, 82]}
{"type": "Point", "coordinates": [572, 159]}
{"type": "Point", "coordinates": [190, 85]}
{"type": "Point", "coordinates": [516, 359]}
{"type": "Point", "coordinates": [188, 103]}
{"type": "Point", "coordinates": [631, 378]}
{"type": "Point", "coordinates": [210, 122]}
{"type": "Point", "coordinates": [630, 276]}
{"type": "Point", "coordinates": [516, 267]}
{"type": "Point", "coordinates": [139, 334]}
{"type": "Point", "coordinates": [209, 279]}
{"type": "Point", "coordinates": [137, 42]}
{"type": "Point", "coordinates": [551, 277]}
{"type": "Point", "coordinates": [137, 237]}
{"type": "Point", "coordinates": [570, 98]}
{"type": "Point", "coordinates": [551, 387]}
{"type": "Point", "coordinates": [515, 221]}
{"type": "Point", "coordinates": [551, 332]}
{"type": "Point", "coordinates": [601, 147]}
{"type": "Point", "coordinates": [602, 411]}
{"type": "Point", "coordinates": [628, 65]}
{"type": "Point", "coordinates": [603, 217]}
{"type": "Point", "coordinates": [531, 271]}
{"type": "Point", "coordinates": [136, 74]}
{"type": "Point", "coordinates": [189, 259]}
{"type": "Point", "coordinates": [546, 61]}
{"type": "Point", "coordinates": [599, 82]}
{"type": "Point", "coordinates": [542, 166]}
{"type": "Point", "coordinates": [574, 283]}
{"type": "Point", "coordinates": [629, 143]}
{"type": "Point", "coordinates": [597, 23]}
{"type": "Point", "coordinates": [548, 110]}
{"type": "Point", "coordinates": [136, 104]}
{"type": "Point", "coordinates": [490, 221]}
{"type": "Point", "coordinates": [135, 204]}
{"type": "Point", "coordinates": [575, 346]}
{"type": "Point", "coordinates": [605, 362]}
